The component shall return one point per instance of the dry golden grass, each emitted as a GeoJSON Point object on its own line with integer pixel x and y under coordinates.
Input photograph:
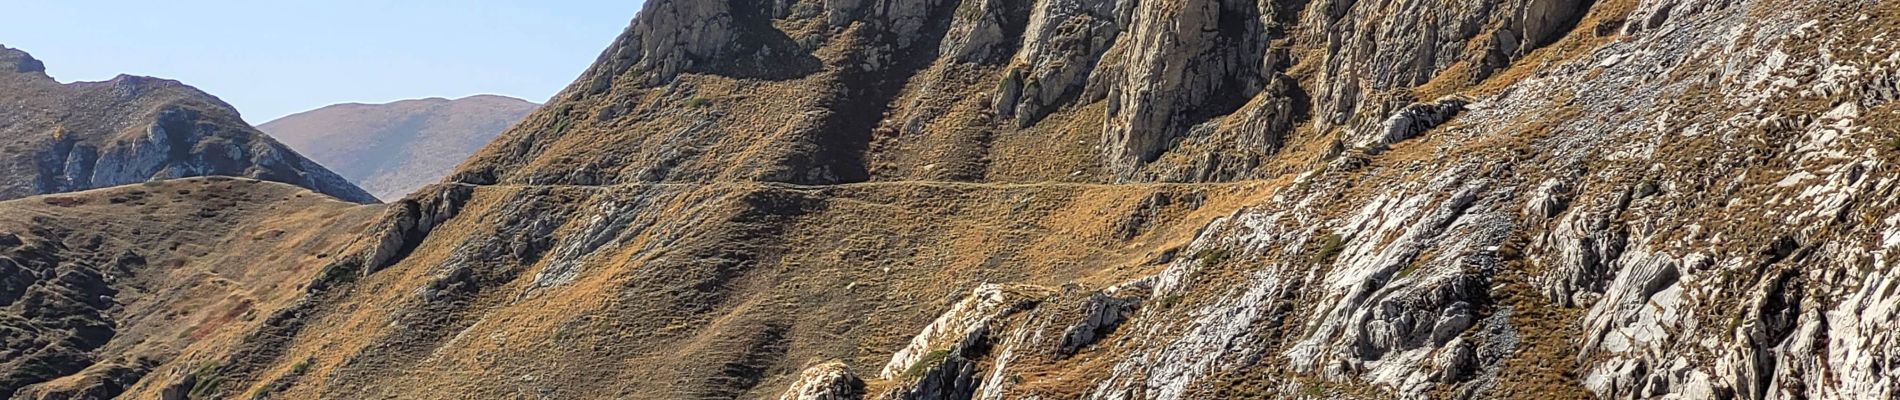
{"type": "Point", "coordinates": [220, 253]}
{"type": "Point", "coordinates": [837, 272]}
{"type": "Point", "coordinates": [728, 287]}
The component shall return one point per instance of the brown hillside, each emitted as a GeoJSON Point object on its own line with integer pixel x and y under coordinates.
{"type": "Point", "coordinates": [1109, 200]}
{"type": "Point", "coordinates": [102, 287]}
{"type": "Point", "coordinates": [393, 149]}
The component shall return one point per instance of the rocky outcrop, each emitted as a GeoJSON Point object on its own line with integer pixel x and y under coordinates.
{"type": "Point", "coordinates": [19, 62]}
{"type": "Point", "coordinates": [1410, 122]}
{"type": "Point", "coordinates": [964, 326]}
{"type": "Point", "coordinates": [982, 32]}
{"type": "Point", "coordinates": [959, 340]}
{"type": "Point", "coordinates": [828, 381]}
{"type": "Point", "coordinates": [1102, 314]}
{"type": "Point", "coordinates": [1403, 199]}
{"type": "Point", "coordinates": [668, 38]}
{"type": "Point", "coordinates": [1062, 44]}
{"type": "Point", "coordinates": [952, 376]}
{"type": "Point", "coordinates": [1375, 51]}
{"type": "Point", "coordinates": [403, 227]}
{"type": "Point", "coordinates": [1183, 62]}
{"type": "Point", "coordinates": [902, 20]}
{"type": "Point", "coordinates": [88, 135]}
{"type": "Point", "coordinates": [1175, 90]}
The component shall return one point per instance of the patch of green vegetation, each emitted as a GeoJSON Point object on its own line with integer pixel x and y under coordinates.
{"type": "Point", "coordinates": [283, 382]}
{"type": "Point", "coordinates": [699, 102]}
{"type": "Point", "coordinates": [1171, 300]}
{"type": "Point", "coordinates": [1893, 144]}
{"type": "Point", "coordinates": [1407, 270]}
{"type": "Point", "coordinates": [930, 360]}
{"type": "Point", "coordinates": [1313, 390]}
{"type": "Point", "coordinates": [1329, 248]}
{"type": "Point", "coordinates": [207, 383]}
{"type": "Point", "coordinates": [335, 274]}
{"type": "Point", "coordinates": [301, 367]}
{"type": "Point", "coordinates": [562, 119]}
{"type": "Point", "coordinates": [1212, 257]}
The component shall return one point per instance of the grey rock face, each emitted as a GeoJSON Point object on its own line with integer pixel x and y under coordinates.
{"type": "Point", "coordinates": [403, 226]}
{"type": "Point", "coordinates": [979, 31]}
{"type": "Point", "coordinates": [901, 19]}
{"type": "Point", "coordinates": [1181, 62]}
{"type": "Point", "coordinates": [952, 378]}
{"type": "Point", "coordinates": [1102, 313]}
{"type": "Point", "coordinates": [1061, 46]}
{"type": "Point", "coordinates": [828, 381]}
{"type": "Point", "coordinates": [1375, 49]}
{"type": "Point", "coordinates": [667, 38]}
{"type": "Point", "coordinates": [80, 136]}
{"type": "Point", "coordinates": [17, 61]}
{"type": "Point", "coordinates": [181, 143]}
{"type": "Point", "coordinates": [1409, 122]}
{"type": "Point", "coordinates": [940, 363]}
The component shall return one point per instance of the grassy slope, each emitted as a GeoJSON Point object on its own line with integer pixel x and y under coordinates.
{"type": "Point", "coordinates": [219, 253]}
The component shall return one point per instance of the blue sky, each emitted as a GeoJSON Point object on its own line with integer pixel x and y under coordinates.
{"type": "Point", "coordinates": [278, 57]}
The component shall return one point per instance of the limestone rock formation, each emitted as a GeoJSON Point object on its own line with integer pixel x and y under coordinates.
{"type": "Point", "coordinates": [78, 136]}
{"type": "Point", "coordinates": [828, 381]}
{"type": "Point", "coordinates": [673, 36]}
{"type": "Point", "coordinates": [1117, 200]}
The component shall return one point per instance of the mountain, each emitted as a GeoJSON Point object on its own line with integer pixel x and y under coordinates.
{"type": "Point", "coordinates": [1081, 199]}
{"type": "Point", "coordinates": [393, 149]}
{"type": "Point", "coordinates": [58, 137]}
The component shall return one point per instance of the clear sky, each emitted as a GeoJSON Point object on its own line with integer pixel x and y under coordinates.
{"type": "Point", "coordinates": [272, 58]}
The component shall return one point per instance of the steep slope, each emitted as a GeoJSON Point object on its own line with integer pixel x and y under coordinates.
{"type": "Point", "coordinates": [393, 149]}
{"type": "Point", "coordinates": [935, 199]}
{"type": "Point", "coordinates": [101, 287]}
{"type": "Point", "coordinates": [1073, 90]}
{"type": "Point", "coordinates": [69, 137]}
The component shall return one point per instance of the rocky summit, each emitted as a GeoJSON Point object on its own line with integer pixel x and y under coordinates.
{"type": "Point", "coordinates": [1060, 199]}
{"type": "Point", "coordinates": [57, 138]}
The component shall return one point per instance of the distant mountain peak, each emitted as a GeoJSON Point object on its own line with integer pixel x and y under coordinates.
{"type": "Point", "coordinates": [394, 148]}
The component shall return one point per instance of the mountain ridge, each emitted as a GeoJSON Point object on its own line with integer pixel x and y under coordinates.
{"type": "Point", "coordinates": [1111, 200]}
{"type": "Point", "coordinates": [83, 135]}
{"type": "Point", "coordinates": [394, 148]}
